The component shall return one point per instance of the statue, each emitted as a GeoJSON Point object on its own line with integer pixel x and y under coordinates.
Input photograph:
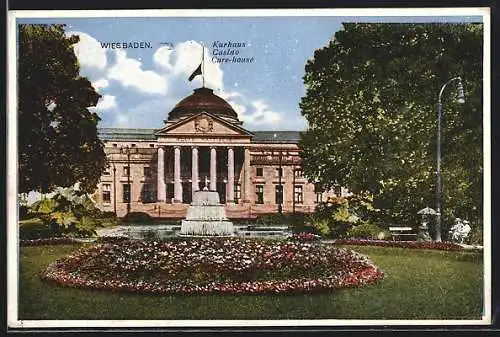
{"type": "Point", "coordinates": [460, 230]}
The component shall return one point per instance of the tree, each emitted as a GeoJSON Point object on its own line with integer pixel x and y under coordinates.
{"type": "Point", "coordinates": [58, 142]}
{"type": "Point", "coordinates": [371, 107]}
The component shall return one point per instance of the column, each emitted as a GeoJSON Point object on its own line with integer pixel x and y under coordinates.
{"type": "Point", "coordinates": [177, 175]}
{"type": "Point", "coordinates": [247, 179]}
{"type": "Point", "coordinates": [230, 176]}
{"type": "Point", "coordinates": [213, 168]}
{"type": "Point", "coordinates": [161, 189]}
{"type": "Point", "coordinates": [194, 169]}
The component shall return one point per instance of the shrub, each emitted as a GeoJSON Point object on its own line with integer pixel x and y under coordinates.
{"type": "Point", "coordinates": [109, 214]}
{"type": "Point", "coordinates": [67, 212]}
{"type": "Point", "coordinates": [276, 219]}
{"type": "Point", "coordinates": [322, 227]}
{"type": "Point", "coordinates": [364, 231]}
{"type": "Point", "coordinates": [33, 229]}
{"type": "Point", "coordinates": [340, 214]}
{"type": "Point", "coordinates": [475, 236]}
{"type": "Point", "coordinates": [137, 217]}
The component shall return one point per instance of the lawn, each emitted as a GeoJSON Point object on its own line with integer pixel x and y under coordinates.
{"type": "Point", "coordinates": [419, 284]}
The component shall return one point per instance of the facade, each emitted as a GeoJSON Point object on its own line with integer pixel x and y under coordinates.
{"type": "Point", "coordinates": [203, 144]}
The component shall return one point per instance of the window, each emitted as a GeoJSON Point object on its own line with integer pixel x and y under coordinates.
{"type": "Point", "coordinates": [115, 145]}
{"type": "Point", "coordinates": [297, 194]}
{"type": "Point", "coordinates": [126, 171]}
{"type": "Point", "coordinates": [106, 172]}
{"type": "Point", "coordinates": [259, 171]}
{"type": "Point", "coordinates": [259, 191]}
{"type": "Point", "coordinates": [299, 173]}
{"type": "Point", "coordinates": [133, 145]}
{"type": "Point", "coordinates": [126, 192]}
{"type": "Point", "coordinates": [106, 193]}
{"type": "Point", "coordinates": [279, 194]}
{"type": "Point", "coordinates": [237, 193]}
{"type": "Point", "coordinates": [147, 171]}
{"type": "Point", "coordinates": [147, 193]}
{"type": "Point", "coordinates": [279, 172]}
{"type": "Point", "coordinates": [151, 145]}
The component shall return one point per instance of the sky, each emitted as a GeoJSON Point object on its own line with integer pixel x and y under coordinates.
{"type": "Point", "coordinates": [140, 86]}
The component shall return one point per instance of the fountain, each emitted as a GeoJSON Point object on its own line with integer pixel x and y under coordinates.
{"type": "Point", "coordinates": [206, 216]}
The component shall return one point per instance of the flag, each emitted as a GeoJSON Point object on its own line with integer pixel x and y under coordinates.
{"type": "Point", "coordinates": [195, 73]}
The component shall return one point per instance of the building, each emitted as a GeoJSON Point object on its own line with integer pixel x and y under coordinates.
{"type": "Point", "coordinates": [203, 144]}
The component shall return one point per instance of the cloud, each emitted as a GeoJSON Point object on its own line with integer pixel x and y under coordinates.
{"type": "Point", "coordinates": [100, 83]}
{"type": "Point", "coordinates": [261, 114]}
{"type": "Point", "coordinates": [125, 77]}
{"type": "Point", "coordinates": [179, 63]}
{"type": "Point", "coordinates": [89, 51]}
{"type": "Point", "coordinates": [129, 73]}
{"type": "Point", "coordinates": [106, 102]}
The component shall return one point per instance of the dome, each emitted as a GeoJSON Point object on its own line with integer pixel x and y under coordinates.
{"type": "Point", "coordinates": [203, 99]}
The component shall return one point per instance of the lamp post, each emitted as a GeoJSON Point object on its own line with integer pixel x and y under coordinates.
{"type": "Point", "coordinates": [114, 187]}
{"type": "Point", "coordinates": [280, 187]}
{"type": "Point", "coordinates": [461, 100]}
{"type": "Point", "coordinates": [293, 191]}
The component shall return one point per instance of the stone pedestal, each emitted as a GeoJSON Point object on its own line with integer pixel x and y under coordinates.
{"type": "Point", "coordinates": [206, 216]}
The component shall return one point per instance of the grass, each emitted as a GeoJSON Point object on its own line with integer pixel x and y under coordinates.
{"type": "Point", "coordinates": [419, 284]}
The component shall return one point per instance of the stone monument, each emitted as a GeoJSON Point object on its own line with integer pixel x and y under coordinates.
{"type": "Point", "coordinates": [206, 216]}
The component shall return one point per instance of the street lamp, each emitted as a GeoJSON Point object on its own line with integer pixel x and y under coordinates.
{"type": "Point", "coordinates": [280, 187]}
{"type": "Point", "coordinates": [461, 100]}
{"type": "Point", "coordinates": [114, 187]}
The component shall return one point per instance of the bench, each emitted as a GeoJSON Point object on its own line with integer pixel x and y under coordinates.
{"type": "Point", "coordinates": [402, 232]}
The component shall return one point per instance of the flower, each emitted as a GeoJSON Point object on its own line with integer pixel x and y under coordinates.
{"type": "Point", "coordinates": [214, 265]}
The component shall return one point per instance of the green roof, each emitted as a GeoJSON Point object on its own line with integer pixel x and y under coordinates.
{"type": "Point", "coordinates": [122, 134]}
{"type": "Point", "coordinates": [118, 134]}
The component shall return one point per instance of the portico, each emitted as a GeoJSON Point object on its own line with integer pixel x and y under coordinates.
{"type": "Point", "coordinates": [219, 171]}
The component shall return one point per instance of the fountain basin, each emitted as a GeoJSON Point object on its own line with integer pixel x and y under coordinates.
{"type": "Point", "coordinates": [206, 216]}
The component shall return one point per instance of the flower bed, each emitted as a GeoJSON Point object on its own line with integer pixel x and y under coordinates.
{"type": "Point", "coordinates": [63, 240]}
{"type": "Point", "coordinates": [304, 237]}
{"type": "Point", "coordinates": [214, 266]}
{"type": "Point", "coordinates": [401, 244]}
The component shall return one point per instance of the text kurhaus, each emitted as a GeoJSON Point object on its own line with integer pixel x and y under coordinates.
{"type": "Point", "coordinates": [229, 44]}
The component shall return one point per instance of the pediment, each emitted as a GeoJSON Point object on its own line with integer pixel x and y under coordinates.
{"type": "Point", "coordinates": [204, 124]}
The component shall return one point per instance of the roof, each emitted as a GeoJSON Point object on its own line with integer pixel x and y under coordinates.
{"type": "Point", "coordinates": [118, 134]}
{"type": "Point", "coordinates": [281, 136]}
{"type": "Point", "coordinates": [203, 99]}
{"type": "Point", "coordinates": [122, 134]}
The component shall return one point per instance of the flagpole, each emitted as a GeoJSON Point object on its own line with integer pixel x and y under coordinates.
{"type": "Point", "coordinates": [203, 65]}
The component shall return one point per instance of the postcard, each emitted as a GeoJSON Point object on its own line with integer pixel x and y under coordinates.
{"type": "Point", "coordinates": [249, 168]}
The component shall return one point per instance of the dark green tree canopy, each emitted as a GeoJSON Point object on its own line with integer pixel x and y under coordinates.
{"type": "Point", "coordinates": [57, 134]}
{"type": "Point", "coordinates": [371, 107]}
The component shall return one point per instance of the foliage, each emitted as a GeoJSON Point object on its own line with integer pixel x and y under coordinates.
{"type": "Point", "coordinates": [371, 109]}
{"type": "Point", "coordinates": [57, 137]}
{"type": "Point", "coordinates": [276, 219]}
{"type": "Point", "coordinates": [49, 241]}
{"type": "Point", "coordinates": [137, 217]}
{"type": "Point", "coordinates": [364, 231]}
{"type": "Point", "coordinates": [68, 212]}
{"type": "Point", "coordinates": [338, 215]}
{"type": "Point", "coordinates": [476, 236]}
{"type": "Point", "coordinates": [401, 244]}
{"type": "Point", "coordinates": [226, 266]}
